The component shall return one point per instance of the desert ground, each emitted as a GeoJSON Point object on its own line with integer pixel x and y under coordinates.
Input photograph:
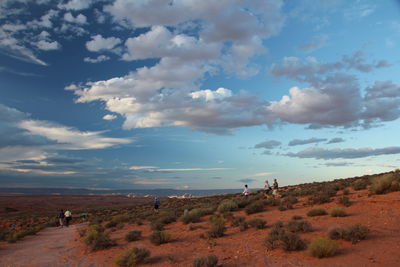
{"type": "Point", "coordinates": [379, 212]}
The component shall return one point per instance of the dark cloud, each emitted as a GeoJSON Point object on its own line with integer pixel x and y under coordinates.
{"type": "Point", "coordinates": [268, 144]}
{"type": "Point", "coordinates": [338, 164]}
{"type": "Point", "coordinates": [335, 140]}
{"type": "Point", "coordinates": [348, 153]}
{"type": "Point", "coordinates": [247, 180]}
{"type": "Point", "coordinates": [297, 142]}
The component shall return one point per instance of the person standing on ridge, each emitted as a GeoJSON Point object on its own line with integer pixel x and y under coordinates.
{"type": "Point", "coordinates": [246, 190]}
{"type": "Point", "coordinates": [68, 217]}
{"type": "Point", "coordinates": [267, 187]}
{"type": "Point", "coordinates": [61, 217]}
{"type": "Point", "coordinates": [156, 204]}
{"type": "Point", "coordinates": [275, 188]}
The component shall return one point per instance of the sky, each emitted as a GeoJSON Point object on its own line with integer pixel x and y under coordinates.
{"type": "Point", "coordinates": [197, 94]}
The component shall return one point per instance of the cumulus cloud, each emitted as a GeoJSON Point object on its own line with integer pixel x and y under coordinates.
{"type": "Point", "coordinates": [76, 4]}
{"type": "Point", "coordinates": [268, 144]}
{"type": "Point", "coordinates": [79, 19]}
{"type": "Point", "coordinates": [109, 117]}
{"type": "Point", "coordinates": [297, 142]}
{"type": "Point", "coordinates": [99, 43]}
{"type": "Point", "coordinates": [348, 153]}
{"type": "Point", "coordinates": [45, 45]}
{"type": "Point", "coordinates": [98, 59]}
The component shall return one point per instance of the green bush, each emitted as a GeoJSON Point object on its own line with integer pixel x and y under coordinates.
{"type": "Point", "coordinates": [338, 212]}
{"type": "Point", "coordinates": [207, 261]}
{"type": "Point", "coordinates": [356, 233]}
{"type": "Point", "coordinates": [316, 212]}
{"type": "Point", "coordinates": [132, 257]}
{"type": "Point", "coordinates": [296, 226]}
{"type": "Point", "coordinates": [384, 184]}
{"type": "Point", "coordinates": [257, 223]}
{"type": "Point", "coordinates": [194, 215]}
{"type": "Point", "coordinates": [279, 238]}
{"type": "Point", "coordinates": [227, 206]}
{"type": "Point", "coordinates": [160, 237]}
{"type": "Point", "coordinates": [255, 207]}
{"type": "Point", "coordinates": [97, 239]}
{"type": "Point", "coordinates": [217, 227]}
{"type": "Point", "coordinates": [344, 200]}
{"type": "Point", "coordinates": [133, 235]}
{"type": "Point", "coordinates": [322, 247]}
{"type": "Point", "coordinates": [360, 185]}
{"type": "Point", "coordinates": [337, 233]}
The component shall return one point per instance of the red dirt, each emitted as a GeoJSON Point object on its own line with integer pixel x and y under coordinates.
{"type": "Point", "coordinates": [380, 213]}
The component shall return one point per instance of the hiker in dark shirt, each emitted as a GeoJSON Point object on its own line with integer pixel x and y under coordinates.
{"type": "Point", "coordinates": [61, 218]}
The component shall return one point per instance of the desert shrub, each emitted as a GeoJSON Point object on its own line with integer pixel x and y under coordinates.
{"type": "Point", "coordinates": [384, 184]}
{"type": "Point", "coordinates": [337, 233]}
{"type": "Point", "coordinates": [194, 215]}
{"type": "Point", "coordinates": [338, 212]}
{"type": "Point", "coordinates": [296, 226]}
{"type": "Point", "coordinates": [97, 239]}
{"type": "Point", "coordinates": [132, 257]}
{"type": "Point", "coordinates": [217, 228]}
{"type": "Point", "coordinates": [167, 218]}
{"type": "Point", "coordinates": [285, 206]}
{"type": "Point", "coordinates": [319, 198]}
{"type": "Point", "coordinates": [291, 199]}
{"type": "Point", "coordinates": [297, 217]}
{"type": "Point", "coordinates": [346, 192]}
{"type": "Point", "coordinates": [356, 233]}
{"type": "Point", "coordinates": [160, 237]}
{"type": "Point", "coordinates": [227, 206]}
{"type": "Point", "coordinates": [228, 215]}
{"type": "Point", "coordinates": [133, 235]}
{"type": "Point", "coordinates": [237, 220]}
{"type": "Point", "coordinates": [193, 227]}
{"type": "Point", "coordinates": [243, 202]}
{"type": "Point", "coordinates": [257, 223]}
{"type": "Point", "coordinates": [360, 184]}
{"type": "Point", "coordinates": [316, 212]}
{"type": "Point", "coordinates": [121, 218]}
{"type": "Point", "coordinates": [3, 234]}
{"type": "Point", "coordinates": [257, 206]}
{"type": "Point", "coordinates": [111, 224]}
{"type": "Point", "coordinates": [272, 201]}
{"type": "Point", "coordinates": [277, 225]}
{"type": "Point", "coordinates": [279, 238]}
{"type": "Point", "coordinates": [322, 247]}
{"type": "Point", "coordinates": [344, 200]}
{"type": "Point", "coordinates": [207, 261]}
{"type": "Point", "coordinates": [157, 226]}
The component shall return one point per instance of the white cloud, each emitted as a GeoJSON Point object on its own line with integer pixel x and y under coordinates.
{"type": "Point", "coordinates": [98, 43]}
{"type": "Point", "coordinates": [317, 42]}
{"type": "Point", "coordinates": [76, 4]}
{"type": "Point", "coordinates": [348, 153]}
{"type": "Point", "coordinates": [296, 142]}
{"type": "Point", "coordinates": [109, 117]}
{"type": "Point", "coordinates": [44, 45]}
{"type": "Point", "coordinates": [143, 168]}
{"type": "Point", "coordinates": [70, 138]}
{"type": "Point", "coordinates": [98, 59]}
{"type": "Point", "coordinates": [79, 19]}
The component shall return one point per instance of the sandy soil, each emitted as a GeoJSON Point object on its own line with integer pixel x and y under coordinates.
{"type": "Point", "coordinates": [50, 247]}
{"type": "Point", "coordinates": [380, 213]}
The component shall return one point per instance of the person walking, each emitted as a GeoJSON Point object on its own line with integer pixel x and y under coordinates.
{"type": "Point", "coordinates": [68, 217]}
{"type": "Point", "coordinates": [246, 190]}
{"type": "Point", "coordinates": [267, 187]}
{"type": "Point", "coordinates": [275, 188]}
{"type": "Point", "coordinates": [61, 218]}
{"type": "Point", "coordinates": [156, 204]}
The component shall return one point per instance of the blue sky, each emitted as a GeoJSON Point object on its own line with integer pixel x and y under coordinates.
{"type": "Point", "coordinates": [194, 94]}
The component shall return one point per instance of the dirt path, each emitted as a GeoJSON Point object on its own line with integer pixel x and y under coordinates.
{"type": "Point", "coordinates": [50, 247]}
